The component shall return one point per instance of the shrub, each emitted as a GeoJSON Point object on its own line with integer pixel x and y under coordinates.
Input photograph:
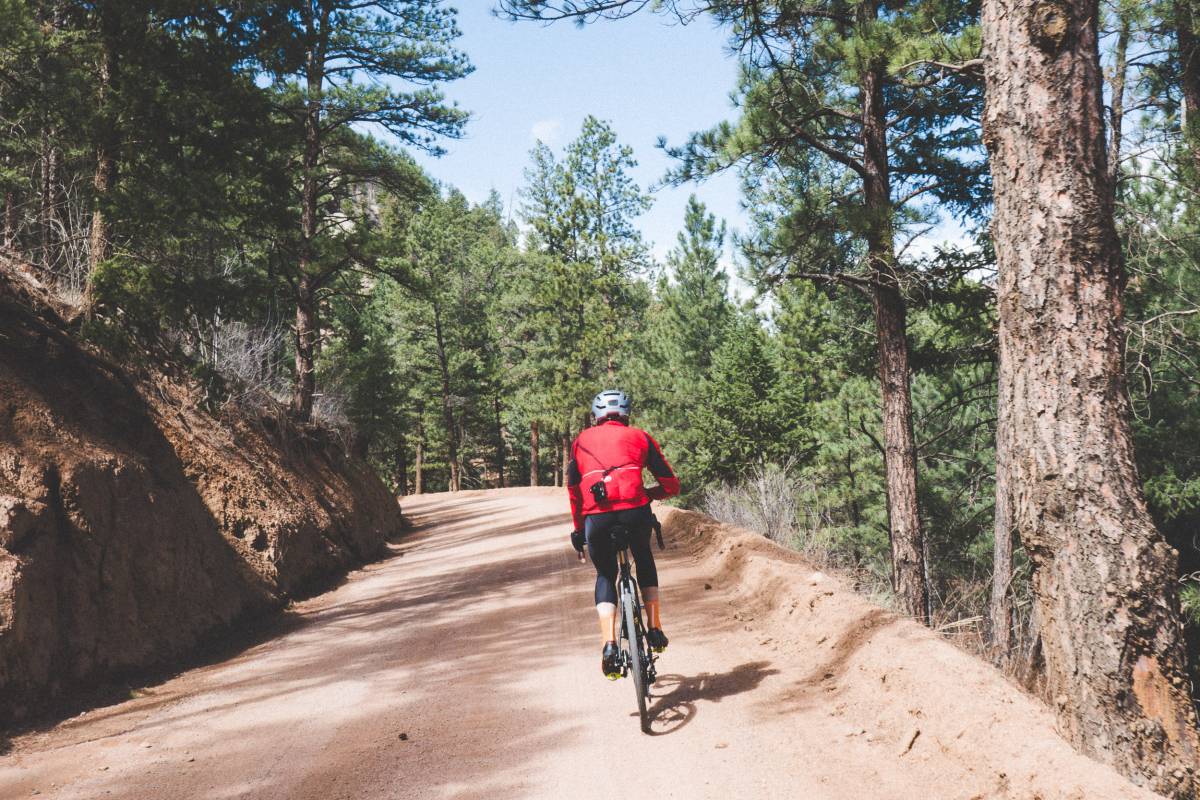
{"type": "Point", "coordinates": [1190, 599]}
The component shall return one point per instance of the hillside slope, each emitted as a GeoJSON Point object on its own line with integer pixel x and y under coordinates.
{"type": "Point", "coordinates": [134, 524]}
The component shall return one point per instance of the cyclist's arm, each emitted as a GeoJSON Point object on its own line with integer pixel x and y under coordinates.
{"type": "Point", "coordinates": [656, 462]}
{"type": "Point", "coordinates": [575, 491]}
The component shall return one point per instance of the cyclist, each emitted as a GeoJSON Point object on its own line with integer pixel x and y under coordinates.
{"type": "Point", "coordinates": [604, 481]}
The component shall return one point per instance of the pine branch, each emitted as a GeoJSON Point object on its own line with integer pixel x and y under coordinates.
{"type": "Point", "coordinates": [862, 426]}
{"type": "Point", "coordinates": [863, 284]}
{"type": "Point", "coordinates": [972, 67]}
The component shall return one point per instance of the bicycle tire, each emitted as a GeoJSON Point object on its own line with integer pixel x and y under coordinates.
{"type": "Point", "coordinates": [637, 660]}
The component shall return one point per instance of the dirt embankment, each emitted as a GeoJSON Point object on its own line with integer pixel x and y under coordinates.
{"type": "Point", "coordinates": [941, 722]}
{"type": "Point", "coordinates": [134, 525]}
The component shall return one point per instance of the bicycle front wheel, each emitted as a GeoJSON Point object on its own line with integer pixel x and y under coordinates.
{"type": "Point", "coordinates": [637, 659]}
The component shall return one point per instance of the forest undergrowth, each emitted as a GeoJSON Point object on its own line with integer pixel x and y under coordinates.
{"type": "Point", "coordinates": [776, 501]}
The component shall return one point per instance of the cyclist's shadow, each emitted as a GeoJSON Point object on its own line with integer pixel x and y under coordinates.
{"type": "Point", "coordinates": [673, 704]}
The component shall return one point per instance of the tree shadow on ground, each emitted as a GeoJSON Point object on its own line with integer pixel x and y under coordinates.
{"type": "Point", "coordinates": [138, 691]}
{"type": "Point", "coordinates": [677, 707]}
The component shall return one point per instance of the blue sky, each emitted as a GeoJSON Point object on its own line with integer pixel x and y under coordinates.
{"type": "Point", "coordinates": [646, 75]}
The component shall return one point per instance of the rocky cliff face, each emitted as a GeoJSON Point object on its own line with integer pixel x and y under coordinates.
{"type": "Point", "coordinates": [135, 524]}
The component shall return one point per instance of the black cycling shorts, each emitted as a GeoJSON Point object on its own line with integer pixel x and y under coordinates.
{"type": "Point", "coordinates": [604, 553]}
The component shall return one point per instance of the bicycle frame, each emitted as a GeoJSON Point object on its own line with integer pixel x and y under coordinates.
{"type": "Point", "coordinates": [627, 592]}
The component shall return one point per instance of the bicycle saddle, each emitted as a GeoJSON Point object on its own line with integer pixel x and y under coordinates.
{"type": "Point", "coordinates": [620, 536]}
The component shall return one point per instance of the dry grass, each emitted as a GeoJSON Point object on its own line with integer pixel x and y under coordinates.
{"type": "Point", "coordinates": [249, 358]}
{"type": "Point", "coordinates": [775, 502]}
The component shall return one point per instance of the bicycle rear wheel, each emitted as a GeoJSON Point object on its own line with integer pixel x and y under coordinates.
{"type": "Point", "coordinates": [637, 659]}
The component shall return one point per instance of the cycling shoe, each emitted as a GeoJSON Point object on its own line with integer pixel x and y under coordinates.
{"type": "Point", "coordinates": [610, 661]}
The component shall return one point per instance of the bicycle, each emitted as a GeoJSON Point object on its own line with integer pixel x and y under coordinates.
{"type": "Point", "coordinates": [637, 659]}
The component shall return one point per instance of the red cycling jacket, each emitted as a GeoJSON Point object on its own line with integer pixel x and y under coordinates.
{"type": "Point", "coordinates": [615, 453]}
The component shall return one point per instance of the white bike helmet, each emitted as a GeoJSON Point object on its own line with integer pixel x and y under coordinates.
{"type": "Point", "coordinates": [611, 403]}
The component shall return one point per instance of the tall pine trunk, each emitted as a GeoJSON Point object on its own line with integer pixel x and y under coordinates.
{"type": "Point", "coordinates": [533, 453]}
{"type": "Point", "coordinates": [46, 206]}
{"type": "Point", "coordinates": [306, 286]}
{"type": "Point", "coordinates": [105, 176]}
{"type": "Point", "coordinates": [566, 456]}
{"type": "Point", "coordinates": [900, 455]}
{"type": "Point", "coordinates": [499, 444]}
{"type": "Point", "coordinates": [900, 450]}
{"type": "Point", "coordinates": [558, 461]}
{"type": "Point", "coordinates": [1189, 77]}
{"type": "Point", "coordinates": [47, 154]}
{"type": "Point", "coordinates": [1117, 90]}
{"type": "Point", "coordinates": [447, 409]}
{"type": "Point", "coordinates": [100, 236]}
{"type": "Point", "coordinates": [401, 459]}
{"type": "Point", "coordinates": [1000, 610]}
{"type": "Point", "coordinates": [10, 222]}
{"type": "Point", "coordinates": [419, 457]}
{"type": "Point", "coordinates": [1104, 579]}
{"type": "Point", "coordinates": [306, 337]}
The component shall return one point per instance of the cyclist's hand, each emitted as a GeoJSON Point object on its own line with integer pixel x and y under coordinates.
{"type": "Point", "coordinates": [578, 541]}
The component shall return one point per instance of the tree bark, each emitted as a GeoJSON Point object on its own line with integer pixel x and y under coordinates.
{"type": "Point", "coordinates": [46, 208]}
{"type": "Point", "coordinates": [1000, 609]}
{"type": "Point", "coordinates": [900, 456]}
{"type": "Point", "coordinates": [100, 236]}
{"type": "Point", "coordinates": [447, 409]}
{"type": "Point", "coordinates": [499, 444]}
{"type": "Point", "coordinates": [1104, 579]}
{"type": "Point", "coordinates": [1117, 90]}
{"type": "Point", "coordinates": [105, 177]}
{"type": "Point", "coordinates": [533, 453]}
{"type": "Point", "coordinates": [306, 335]}
{"type": "Point", "coordinates": [401, 459]}
{"type": "Point", "coordinates": [558, 461]}
{"type": "Point", "coordinates": [419, 460]}
{"type": "Point", "coordinates": [306, 301]}
{"type": "Point", "coordinates": [1189, 75]}
{"type": "Point", "coordinates": [566, 456]}
{"type": "Point", "coordinates": [10, 222]}
{"type": "Point", "coordinates": [900, 449]}
{"type": "Point", "coordinates": [47, 155]}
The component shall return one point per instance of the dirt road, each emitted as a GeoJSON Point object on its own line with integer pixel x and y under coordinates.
{"type": "Point", "coordinates": [466, 666]}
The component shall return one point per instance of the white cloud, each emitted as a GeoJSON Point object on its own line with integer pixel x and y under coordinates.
{"type": "Point", "coordinates": [546, 130]}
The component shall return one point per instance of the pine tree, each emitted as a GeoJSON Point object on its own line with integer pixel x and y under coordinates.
{"type": "Point", "coordinates": [686, 324]}
{"type": "Point", "coordinates": [695, 299]}
{"type": "Point", "coordinates": [452, 261]}
{"type": "Point", "coordinates": [330, 60]}
{"type": "Point", "coordinates": [583, 298]}
{"type": "Point", "coordinates": [742, 418]}
{"type": "Point", "coordinates": [1104, 579]}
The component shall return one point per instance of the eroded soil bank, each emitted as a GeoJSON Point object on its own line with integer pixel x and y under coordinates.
{"type": "Point", "coordinates": [136, 525]}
